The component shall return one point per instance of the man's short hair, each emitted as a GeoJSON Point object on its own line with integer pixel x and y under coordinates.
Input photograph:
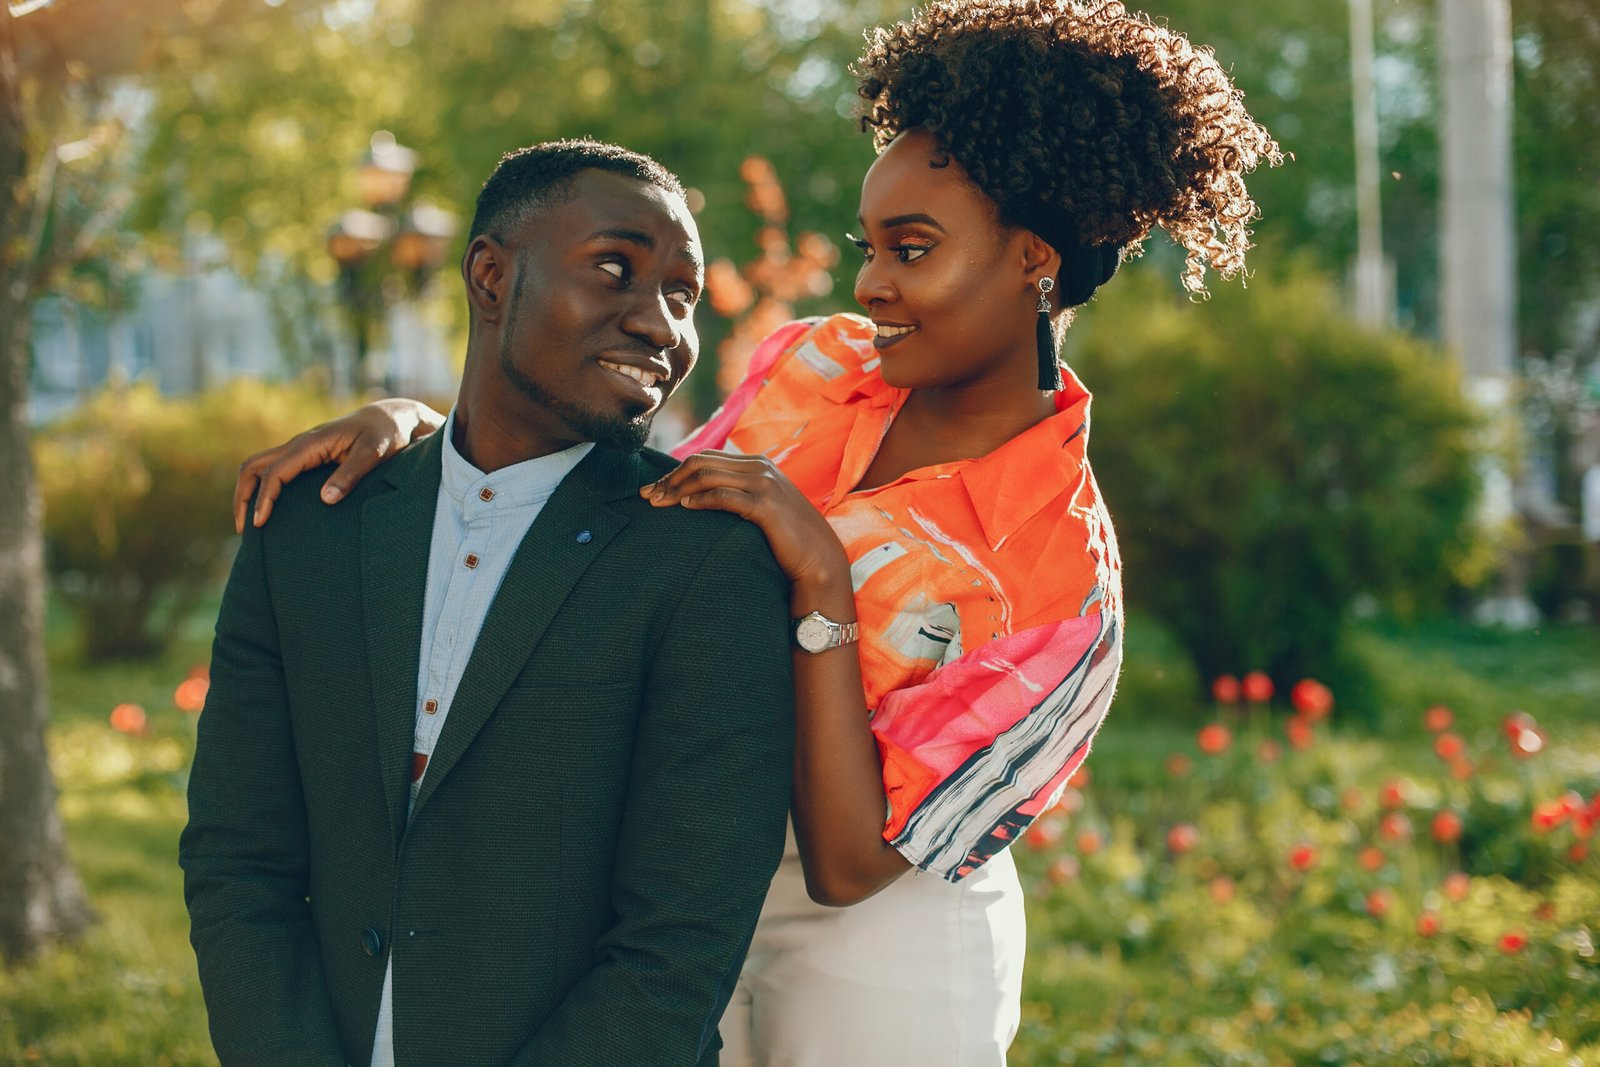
{"type": "Point", "coordinates": [534, 178]}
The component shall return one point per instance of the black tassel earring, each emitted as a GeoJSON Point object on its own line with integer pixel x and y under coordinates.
{"type": "Point", "coordinates": [1049, 369]}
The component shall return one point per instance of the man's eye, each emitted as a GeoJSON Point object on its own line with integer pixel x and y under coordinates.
{"type": "Point", "coordinates": [683, 298]}
{"type": "Point", "coordinates": [613, 268]}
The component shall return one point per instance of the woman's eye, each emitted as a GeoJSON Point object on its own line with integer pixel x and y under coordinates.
{"type": "Point", "coordinates": [613, 268]}
{"type": "Point", "coordinates": [910, 253]}
{"type": "Point", "coordinates": [862, 245]}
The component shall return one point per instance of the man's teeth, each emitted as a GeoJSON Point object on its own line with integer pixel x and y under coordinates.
{"type": "Point", "coordinates": [894, 331]}
{"type": "Point", "coordinates": [646, 378]}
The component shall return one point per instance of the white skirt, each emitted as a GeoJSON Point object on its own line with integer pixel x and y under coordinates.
{"type": "Point", "coordinates": [924, 973]}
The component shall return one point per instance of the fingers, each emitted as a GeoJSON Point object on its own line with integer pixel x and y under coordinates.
{"type": "Point", "coordinates": [698, 468]}
{"type": "Point", "coordinates": [707, 479]}
{"type": "Point", "coordinates": [363, 456]}
{"type": "Point", "coordinates": [249, 477]}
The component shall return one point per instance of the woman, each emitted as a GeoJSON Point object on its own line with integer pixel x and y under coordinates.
{"type": "Point", "coordinates": [921, 475]}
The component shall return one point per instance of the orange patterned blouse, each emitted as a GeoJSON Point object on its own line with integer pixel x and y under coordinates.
{"type": "Point", "coordinates": [988, 590]}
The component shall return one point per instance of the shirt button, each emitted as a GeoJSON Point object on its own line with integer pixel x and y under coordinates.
{"type": "Point", "coordinates": [430, 706]}
{"type": "Point", "coordinates": [486, 494]}
{"type": "Point", "coordinates": [471, 561]}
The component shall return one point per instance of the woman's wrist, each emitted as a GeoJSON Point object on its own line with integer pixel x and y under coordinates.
{"type": "Point", "coordinates": [825, 589]}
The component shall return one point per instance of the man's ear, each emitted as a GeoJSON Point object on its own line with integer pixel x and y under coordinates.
{"type": "Point", "coordinates": [486, 268]}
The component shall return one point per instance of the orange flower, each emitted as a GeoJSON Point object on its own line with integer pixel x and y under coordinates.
{"type": "Point", "coordinates": [1372, 859]}
{"type": "Point", "coordinates": [1392, 794]}
{"type": "Point", "coordinates": [1256, 687]}
{"type": "Point", "coordinates": [1064, 869]}
{"type": "Point", "coordinates": [1437, 718]}
{"type": "Point", "coordinates": [128, 719]}
{"type": "Point", "coordinates": [1446, 827]}
{"type": "Point", "coordinates": [1303, 856]}
{"type": "Point", "coordinates": [1513, 941]}
{"type": "Point", "coordinates": [1182, 838]}
{"type": "Point", "coordinates": [1222, 889]}
{"type": "Point", "coordinates": [1225, 689]}
{"type": "Point", "coordinates": [1578, 852]}
{"type": "Point", "coordinates": [1043, 834]}
{"type": "Point", "coordinates": [1428, 923]}
{"type": "Point", "coordinates": [1379, 901]}
{"type": "Point", "coordinates": [1269, 751]}
{"type": "Point", "coordinates": [1545, 912]}
{"type": "Point", "coordinates": [200, 670]}
{"type": "Point", "coordinates": [1461, 769]}
{"type": "Point", "coordinates": [190, 696]}
{"type": "Point", "coordinates": [1351, 799]}
{"type": "Point", "coordinates": [1215, 739]}
{"type": "Point", "coordinates": [1311, 698]}
{"type": "Point", "coordinates": [1449, 746]}
{"type": "Point", "coordinates": [1394, 826]}
{"type": "Point", "coordinates": [1089, 842]}
{"type": "Point", "coordinates": [1069, 802]}
{"type": "Point", "coordinates": [1179, 765]}
{"type": "Point", "coordinates": [1548, 814]}
{"type": "Point", "coordinates": [1456, 886]}
{"type": "Point", "coordinates": [1080, 778]}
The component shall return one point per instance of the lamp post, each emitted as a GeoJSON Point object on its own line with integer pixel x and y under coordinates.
{"type": "Point", "coordinates": [417, 239]}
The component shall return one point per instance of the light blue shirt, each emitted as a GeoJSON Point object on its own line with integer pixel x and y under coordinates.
{"type": "Point", "coordinates": [480, 522]}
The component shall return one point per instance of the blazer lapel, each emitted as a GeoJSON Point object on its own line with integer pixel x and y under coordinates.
{"type": "Point", "coordinates": [572, 529]}
{"type": "Point", "coordinates": [396, 533]}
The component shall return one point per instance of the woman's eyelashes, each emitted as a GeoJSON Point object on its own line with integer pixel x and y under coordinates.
{"type": "Point", "coordinates": [905, 252]}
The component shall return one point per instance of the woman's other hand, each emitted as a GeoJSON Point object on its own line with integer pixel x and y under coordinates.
{"type": "Point", "coordinates": [752, 487]}
{"type": "Point", "coordinates": [358, 442]}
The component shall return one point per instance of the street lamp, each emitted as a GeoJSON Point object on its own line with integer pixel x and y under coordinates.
{"type": "Point", "coordinates": [418, 239]}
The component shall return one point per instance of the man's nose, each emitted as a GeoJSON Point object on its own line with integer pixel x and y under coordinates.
{"type": "Point", "coordinates": [651, 320]}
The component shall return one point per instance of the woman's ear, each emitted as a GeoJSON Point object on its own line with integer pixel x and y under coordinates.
{"type": "Point", "coordinates": [1039, 260]}
{"type": "Point", "coordinates": [486, 268]}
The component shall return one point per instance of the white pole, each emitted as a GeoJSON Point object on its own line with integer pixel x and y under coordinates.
{"type": "Point", "coordinates": [1373, 303]}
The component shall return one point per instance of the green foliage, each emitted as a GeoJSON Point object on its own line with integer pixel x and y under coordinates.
{"type": "Point", "coordinates": [137, 490]}
{"type": "Point", "coordinates": [1268, 463]}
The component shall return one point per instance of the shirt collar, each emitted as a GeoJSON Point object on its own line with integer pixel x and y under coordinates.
{"type": "Point", "coordinates": [1013, 483]}
{"type": "Point", "coordinates": [526, 484]}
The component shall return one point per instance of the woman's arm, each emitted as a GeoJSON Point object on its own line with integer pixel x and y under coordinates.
{"type": "Point", "coordinates": [358, 441]}
{"type": "Point", "coordinates": [839, 800]}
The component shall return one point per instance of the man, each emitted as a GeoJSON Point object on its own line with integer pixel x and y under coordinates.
{"type": "Point", "coordinates": [496, 758]}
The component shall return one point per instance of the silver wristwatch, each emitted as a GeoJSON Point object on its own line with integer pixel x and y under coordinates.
{"type": "Point", "coordinates": [818, 633]}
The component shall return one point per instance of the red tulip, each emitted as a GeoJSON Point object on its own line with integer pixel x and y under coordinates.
{"type": "Point", "coordinates": [1214, 739]}
{"type": "Point", "coordinates": [1437, 718]}
{"type": "Point", "coordinates": [1545, 912]}
{"type": "Point", "coordinates": [1548, 814]}
{"type": "Point", "coordinates": [1379, 901]}
{"type": "Point", "coordinates": [1456, 886]}
{"type": "Point", "coordinates": [1573, 802]}
{"type": "Point", "coordinates": [1299, 733]}
{"type": "Point", "coordinates": [1446, 827]}
{"type": "Point", "coordinates": [1516, 722]}
{"type": "Point", "coordinates": [1372, 859]}
{"type": "Point", "coordinates": [1578, 852]}
{"type": "Point", "coordinates": [1222, 889]}
{"type": "Point", "coordinates": [128, 719]}
{"type": "Point", "coordinates": [1449, 746]}
{"type": "Point", "coordinates": [1394, 826]}
{"type": "Point", "coordinates": [1461, 768]}
{"type": "Point", "coordinates": [1303, 856]}
{"type": "Point", "coordinates": [1179, 765]}
{"type": "Point", "coordinates": [1225, 689]}
{"type": "Point", "coordinates": [1311, 698]}
{"type": "Point", "coordinates": [1182, 838]}
{"type": "Point", "coordinates": [1269, 751]}
{"type": "Point", "coordinates": [1080, 778]}
{"type": "Point", "coordinates": [1089, 842]}
{"type": "Point", "coordinates": [1256, 687]}
{"type": "Point", "coordinates": [1352, 799]}
{"type": "Point", "coordinates": [190, 696]}
{"type": "Point", "coordinates": [1392, 794]}
{"type": "Point", "coordinates": [1428, 923]}
{"type": "Point", "coordinates": [1513, 941]}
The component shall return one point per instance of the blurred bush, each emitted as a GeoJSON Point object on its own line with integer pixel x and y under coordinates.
{"type": "Point", "coordinates": [1270, 465]}
{"type": "Point", "coordinates": [137, 490]}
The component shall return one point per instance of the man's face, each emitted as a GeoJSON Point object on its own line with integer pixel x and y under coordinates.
{"type": "Point", "coordinates": [599, 322]}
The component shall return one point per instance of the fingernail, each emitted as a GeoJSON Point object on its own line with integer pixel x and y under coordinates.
{"type": "Point", "coordinates": [330, 493]}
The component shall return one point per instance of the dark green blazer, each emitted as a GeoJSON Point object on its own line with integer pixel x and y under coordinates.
{"type": "Point", "coordinates": [592, 842]}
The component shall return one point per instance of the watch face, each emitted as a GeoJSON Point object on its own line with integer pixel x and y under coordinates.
{"type": "Point", "coordinates": [813, 634]}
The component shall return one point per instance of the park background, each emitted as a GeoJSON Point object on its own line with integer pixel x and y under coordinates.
{"type": "Point", "coordinates": [1342, 809]}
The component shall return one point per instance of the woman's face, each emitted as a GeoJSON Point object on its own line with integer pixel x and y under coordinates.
{"type": "Point", "coordinates": [948, 285]}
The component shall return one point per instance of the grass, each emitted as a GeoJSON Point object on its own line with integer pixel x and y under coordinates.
{"type": "Point", "coordinates": [128, 993]}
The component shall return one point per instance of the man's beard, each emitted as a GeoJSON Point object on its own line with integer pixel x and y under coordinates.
{"type": "Point", "coordinates": [615, 431]}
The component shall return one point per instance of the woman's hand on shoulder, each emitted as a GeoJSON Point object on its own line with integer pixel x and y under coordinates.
{"type": "Point", "coordinates": [752, 487]}
{"type": "Point", "coordinates": [358, 442]}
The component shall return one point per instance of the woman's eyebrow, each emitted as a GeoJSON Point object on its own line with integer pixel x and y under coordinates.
{"type": "Point", "coordinates": [904, 220]}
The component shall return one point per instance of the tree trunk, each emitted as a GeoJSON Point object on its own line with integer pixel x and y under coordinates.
{"type": "Point", "coordinates": [41, 899]}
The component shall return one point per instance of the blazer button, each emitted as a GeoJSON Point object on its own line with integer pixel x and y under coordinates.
{"type": "Point", "coordinates": [371, 941]}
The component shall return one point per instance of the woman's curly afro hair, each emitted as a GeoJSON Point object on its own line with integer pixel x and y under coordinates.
{"type": "Point", "coordinates": [1084, 114]}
